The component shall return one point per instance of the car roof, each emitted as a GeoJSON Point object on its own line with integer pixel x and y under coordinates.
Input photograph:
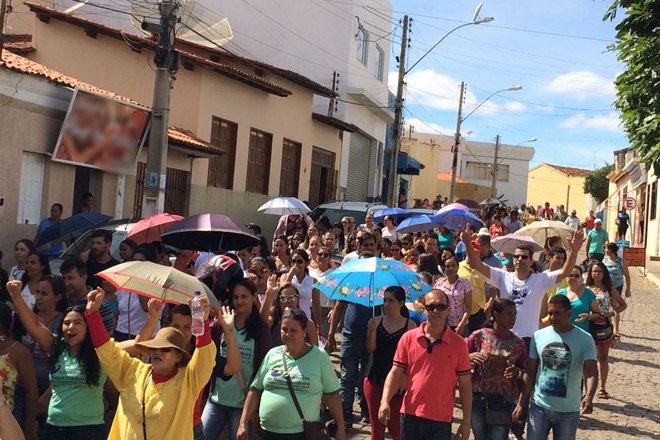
{"type": "Point", "coordinates": [119, 225]}
{"type": "Point", "coordinates": [420, 211]}
{"type": "Point", "coordinates": [353, 206]}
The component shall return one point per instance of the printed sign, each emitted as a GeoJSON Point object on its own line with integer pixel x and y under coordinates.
{"type": "Point", "coordinates": [101, 132]}
{"type": "Point", "coordinates": [629, 203]}
{"type": "Point", "coordinates": [634, 256]}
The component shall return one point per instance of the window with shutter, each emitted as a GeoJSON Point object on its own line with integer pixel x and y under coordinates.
{"type": "Point", "coordinates": [221, 168]}
{"type": "Point", "coordinates": [32, 182]}
{"type": "Point", "coordinates": [259, 154]}
{"type": "Point", "coordinates": [290, 177]}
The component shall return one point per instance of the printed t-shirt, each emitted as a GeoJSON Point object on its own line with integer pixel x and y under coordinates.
{"type": "Point", "coordinates": [579, 306]}
{"type": "Point", "coordinates": [74, 403]}
{"type": "Point", "coordinates": [456, 295]}
{"type": "Point", "coordinates": [55, 249]}
{"type": "Point", "coordinates": [489, 377]}
{"type": "Point", "coordinates": [478, 282]}
{"type": "Point", "coordinates": [528, 296]}
{"type": "Point", "coordinates": [561, 360]}
{"type": "Point", "coordinates": [597, 241]}
{"type": "Point", "coordinates": [431, 384]}
{"type": "Point", "coordinates": [232, 392]}
{"type": "Point", "coordinates": [311, 374]}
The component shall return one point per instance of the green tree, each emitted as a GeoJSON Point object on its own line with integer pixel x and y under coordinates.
{"type": "Point", "coordinates": [597, 184]}
{"type": "Point", "coordinates": [638, 87]}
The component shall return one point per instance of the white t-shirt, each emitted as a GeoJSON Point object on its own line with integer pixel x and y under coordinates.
{"type": "Point", "coordinates": [29, 298]}
{"type": "Point", "coordinates": [131, 315]}
{"type": "Point", "coordinates": [323, 298]}
{"type": "Point", "coordinates": [305, 289]}
{"type": "Point", "coordinates": [573, 222]}
{"type": "Point", "coordinates": [528, 296]}
{"type": "Point", "coordinates": [392, 235]}
{"type": "Point", "coordinates": [350, 257]}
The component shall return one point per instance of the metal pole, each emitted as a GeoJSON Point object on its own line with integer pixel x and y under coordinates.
{"type": "Point", "coordinates": [457, 143]}
{"type": "Point", "coordinates": [3, 13]}
{"type": "Point", "coordinates": [155, 181]}
{"type": "Point", "coordinates": [493, 185]}
{"type": "Point", "coordinates": [398, 117]}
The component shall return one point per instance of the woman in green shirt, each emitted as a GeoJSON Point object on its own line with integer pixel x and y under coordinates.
{"type": "Point", "coordinates": [313, 379]}
{"type": "Point", "coordinates": [445, 238]}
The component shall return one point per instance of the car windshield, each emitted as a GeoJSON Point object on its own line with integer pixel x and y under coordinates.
{"type": "Point", "coordinates": [84, 243]}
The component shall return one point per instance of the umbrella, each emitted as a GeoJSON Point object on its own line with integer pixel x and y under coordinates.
{"type": "Point", "coordinates": [451, 206]}
{"type": "Point", "coordinates": [394, 212]}
{"type": "Point", "coordinates": [157, 281]}
{"type": "Point", "coordinates": [209, 232]}
{"type": "Point", "coordinates": [284, 206]}
{"type": "Point", "coordinates": [363, 281]}
{"type": "Point", "coordinates": [542, 229]}
{"type": "Point", "coordinates": [471, 204]}
{"type": "Point", "coordinates": [455, 219]}
{"type": "Point", "coordinates": [491, 201]}
{"type": "Point", "coordinates": [419, 223]}
{"type": "Point", "coordinates": [150, 228]}
{"type": "Point", "coordinates": [70, 227]}
{"type": "Point", "coordinates": [510, 242]}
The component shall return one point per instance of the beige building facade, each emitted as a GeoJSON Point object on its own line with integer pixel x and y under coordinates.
{"type": "Point", "coordinates": [559, 186]}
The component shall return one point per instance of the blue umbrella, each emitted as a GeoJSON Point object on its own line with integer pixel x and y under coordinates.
{"type": "Point", "coordinates": [394, 212]}
{"type": "Point", "coordinates": [363, 281]}
{"type": "Point", "coordinates": [419, 223]}
{"type": "Point", "coordinates": [455, 219]}
{"type": "Point", "coordinates": [71, 227]}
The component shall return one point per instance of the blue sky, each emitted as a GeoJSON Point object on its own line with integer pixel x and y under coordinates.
{"type": "Point", "coordinates": [566, 101]}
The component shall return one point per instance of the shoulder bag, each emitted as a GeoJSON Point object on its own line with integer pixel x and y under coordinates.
{"type": "Point", "coordinates": [601, 331]}
{"type": "Point", "coordinates": [313, 430]}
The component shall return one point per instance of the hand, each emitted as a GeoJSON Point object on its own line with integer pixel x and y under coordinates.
{"type": "Point", "coordinates": [489, 305]}
{"type": "Point", "coordinates": [372, 325]}
{"type": "Point", "coordinates": [331, 345]}
{"type": "Point", "coordinates": [273, 282]}
{"type": "Point", "coordinates": [628, 294]}
{"type": "Point", "coordinates": [155, 308]}
{"type": "Point", "coordinates": [586, 406]}
{"type": "Point", "coordinates": [242, 433]}
{"type": "Point", "coordinates": [464, 430]}
{"type": "Point", "coordinates": [511, 371]}
{"type": "Point", "coordinates": [465, 236]}
{"type": "Point", "coordinates": [252, 278]}
{"type": "Point", "coordinates": [95, 299]}
{"type": "Point", "coordinates": [517, 414]}
{"type": "Point", "coordinates": [384, 413]}
{"type": "Point", "coordinates": [582, 317]}
{"type": "Point", "coordinates": [577, 241]}
{"type": "Point", "coordinates": [226, 319]}
{"type": "Point", "coordinates": [204, 303]}
{"type": "Point", "coordinates": [478, 358]}
{"type": "Point", "coordinates": [42, 404]}
{"type": "Point", "coordinates": [14, 288]}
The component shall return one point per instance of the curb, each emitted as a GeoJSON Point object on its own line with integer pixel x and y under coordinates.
{"type": "Point", "coordinates": [655, 279]}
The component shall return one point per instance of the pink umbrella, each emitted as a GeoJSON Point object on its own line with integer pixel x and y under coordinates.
{"type": "Point", "coordinates": [510, 242]}
{"type": "Point", "coordinates": [150, 228]}
{"type": "Point", "coordinates": [450, 207]}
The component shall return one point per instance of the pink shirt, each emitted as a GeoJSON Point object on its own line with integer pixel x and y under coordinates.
{"type": "Point", "coordinates": [432, 375]}
{"type": "Point", "coordinates": [456, 294]}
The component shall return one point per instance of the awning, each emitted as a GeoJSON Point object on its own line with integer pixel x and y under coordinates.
{"type": "Point", "coordinates": [405, 164]}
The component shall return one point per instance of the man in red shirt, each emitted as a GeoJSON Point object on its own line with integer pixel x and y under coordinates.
{"type": "Point", "coordinates": [433, 357]}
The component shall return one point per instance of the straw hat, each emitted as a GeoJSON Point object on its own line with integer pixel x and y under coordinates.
{"type": "Point", "coordinates": [167, 337]}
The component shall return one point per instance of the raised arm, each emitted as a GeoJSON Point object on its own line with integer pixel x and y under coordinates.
{"type": "Point", "coordinates": [576, 245]}
{"type": "Point", "coordinates": [473, 256]}
{"type": "Point", "coordinates": [267, 303]}
{"type": "Point", "coordinates": [41, 334]}
{"type": "Point", "coordinates": [200, 367]}
{"type": "Point", "coordinates": [226, 321]}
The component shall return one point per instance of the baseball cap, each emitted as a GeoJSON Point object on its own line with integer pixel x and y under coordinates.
{"type": "Point", "coordinates": [598, 221]}
{"type": "Point", "coordinates": [476, 245]}
{"type": "Point", "coordinates": [483, 232]}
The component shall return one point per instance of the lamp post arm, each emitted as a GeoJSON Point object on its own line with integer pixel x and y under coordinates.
{"type": "Point", "coordinates": [439, 41]}
{"type": "Point", "coordinates": [483, 102]}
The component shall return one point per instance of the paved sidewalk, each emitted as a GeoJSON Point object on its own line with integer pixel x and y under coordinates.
{"type": "Point", "coordinates": [633, 411]}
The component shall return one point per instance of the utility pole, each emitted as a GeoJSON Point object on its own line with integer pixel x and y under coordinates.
{"type": "Point", "coordinates": [3, 14]}
{"type": "Point", "coordinates": [331, 105]}
{"type": "Point", "coordinates": [457, 143]}
{"type": "Point", "coordinates": [398, 116]}
{"type": "Point", "coordinates": [167, 63]}
{"type": "Point", "coordinates": [493, 185]}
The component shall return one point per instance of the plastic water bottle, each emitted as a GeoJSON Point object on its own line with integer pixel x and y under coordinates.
{"type": "Point", "coordinates": [197, 316]}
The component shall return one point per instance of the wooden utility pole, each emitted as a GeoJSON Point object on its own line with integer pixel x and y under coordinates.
{"type": "Point", "coordinates": [493, 185]}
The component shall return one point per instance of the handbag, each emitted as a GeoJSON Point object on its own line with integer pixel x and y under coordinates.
{"type": "Point", "coordinates": [313, 430]}
{"type": "Point", "coordinates": [601, 331]}
{"type": "Point", "coordinates": [498, 410]}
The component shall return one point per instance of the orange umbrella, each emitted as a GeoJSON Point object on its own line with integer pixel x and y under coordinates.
{"type": "Point", "coordinates": [150, 228]}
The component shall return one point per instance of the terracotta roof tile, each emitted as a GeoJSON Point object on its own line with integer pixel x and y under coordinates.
{"type": "Point", "coordinates": [446, 177]}
{"type": "Point", "coordinates": [571, 172]}
{"type": "Point", "coordinates": [186, 138]}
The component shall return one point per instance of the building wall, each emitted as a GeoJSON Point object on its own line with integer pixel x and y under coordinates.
{"type": "Point", "coordinates": [546, 184]}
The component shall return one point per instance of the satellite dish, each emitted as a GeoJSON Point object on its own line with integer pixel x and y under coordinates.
{"type": "Point", "coordinates": [475, 17]}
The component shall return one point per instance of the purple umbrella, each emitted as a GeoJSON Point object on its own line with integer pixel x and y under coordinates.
{"type": "Point", "coordinates": [209, 232]}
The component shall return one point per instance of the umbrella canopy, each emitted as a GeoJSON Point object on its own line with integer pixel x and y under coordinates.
{"type": "Point", "coordinates": [209, 232]}
{"type": "Point", "coordinates": [71, 227]}
{"type": "Point", "coordinates": [419, 223]}
{"type": "Point", "coordinates": [491, 201]}
{"type": "Point", "coordinates": [541, 230]}
{"type": "Point", "coordinates": [510, 242]}
{"type": "Point", "coordinates": [454, 219]}
{"type": "Point", "coordinates": [363, 281]}
{"type": "Point", "coordinates": [284, 206]}
{"type": "Point", "coordinates": [156, 281]}
{"type": "Point", "coordinates": [150, 228]}
{"type": "Point", "coordinates": [394, 212]}
{"type": "Point", "coordinates": [451, 206]}
{"type": "Point", "coordinates": [471, 204]}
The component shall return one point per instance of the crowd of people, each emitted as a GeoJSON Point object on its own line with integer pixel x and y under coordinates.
{"type": "Point", "coordinates": [524, 340]}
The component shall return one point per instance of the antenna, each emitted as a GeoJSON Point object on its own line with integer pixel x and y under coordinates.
{"type": "Point", "coordinates": [475, 16]}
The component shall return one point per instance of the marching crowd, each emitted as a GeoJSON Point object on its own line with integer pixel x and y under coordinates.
{"type": "Point", "coordinates": [525, 341]}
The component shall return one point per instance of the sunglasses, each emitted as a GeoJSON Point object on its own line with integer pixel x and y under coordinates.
{"type": "Point", "coordinates": [523, 257]}
{"type": "Point", "coordinates": [258, 270]}
{"type": "Point", "coordinates": [298, 261]}
{"type": "Point", "coordinates": [285, 298]}
{"type": "Point", "coordinates": [575, 275]}
{"type": "Point", "coordinates": [438, 307]}
{"type": "Point", "coordinates": [323, 254]}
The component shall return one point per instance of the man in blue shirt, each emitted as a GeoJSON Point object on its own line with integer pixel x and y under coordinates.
{"type": "Point", "coordinates": [596, 240]}
{"type": "Point", "coordinates": [559, 356]}
{"type": "Point", "coordinates": [55, 217]}
{"type": "Point", "coordinates": [622, 223]}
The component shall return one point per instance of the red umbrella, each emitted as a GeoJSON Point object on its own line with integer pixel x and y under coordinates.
{"type": "Point", "coordinates": [150, 228]}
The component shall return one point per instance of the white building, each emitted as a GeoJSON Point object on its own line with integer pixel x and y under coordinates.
{"type": "Point", "coordinates": [348, 40]}
{"type": "Point", "coordinates": [475, 162]}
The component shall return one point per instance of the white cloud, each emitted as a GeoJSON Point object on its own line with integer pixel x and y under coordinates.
{"type": "Point", "coordinates": [581, 85]}
{"type": "Point", "coordinates": [609, 122]}
{"type": "Point", "coordinates": [428, 127]}
{"type": "Point", "coordinates": [515, 106]}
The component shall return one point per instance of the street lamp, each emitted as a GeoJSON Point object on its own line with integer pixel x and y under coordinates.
{"type": "Point", "coordinates": [398, 104]}
{"type": "Point", "coordinates": [457, 135]}
{"type": "Point", "coordinates": [524, 142]}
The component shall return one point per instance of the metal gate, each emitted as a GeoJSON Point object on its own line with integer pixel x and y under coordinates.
{"type": "Point", "coordinates": [359, 158]}
{"type": "Point", "coordinates": [176, 190]}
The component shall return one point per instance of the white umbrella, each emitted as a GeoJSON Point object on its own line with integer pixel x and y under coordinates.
{"type": "Point", "coordinates": [541, 230]}
{"type": "Point", "coordinates": [284, 206]}
{"type": "Point", "coordinates": [510, 242]}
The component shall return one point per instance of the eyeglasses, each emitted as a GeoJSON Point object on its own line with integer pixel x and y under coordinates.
{"type": "Point", "coordinates": [298, 261]}
{"type": "Point", "coordinates": [258, 270]}
{"type": "Point", "coordinates": [434, 307]}
{"type": "Point", "coordinates": [523, 257]}
{"type": "Point", "coordinates": [575, 275]}
{"type": "Point", "coordinates": [285, 298]}
{"type": "Point", "coordinates": [323, 254]}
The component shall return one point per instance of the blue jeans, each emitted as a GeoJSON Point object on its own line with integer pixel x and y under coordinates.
{"type": "Point", "coordinates": [216, 417]}
{"type": "Point", "coordinates": [198, 432]}
{"type": "Point", "coordinates": [564, 425]}
{"type": "Point", "coordinates": [353, 359]}
{"type": "Point", "coordinates": [481, 430]}
{"type": "Point", "coordinates": [596, 256]}
{"type": "Point", "coordinates": [89, 432]}
{"type": "Point", "coordinates": [417, 428]}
